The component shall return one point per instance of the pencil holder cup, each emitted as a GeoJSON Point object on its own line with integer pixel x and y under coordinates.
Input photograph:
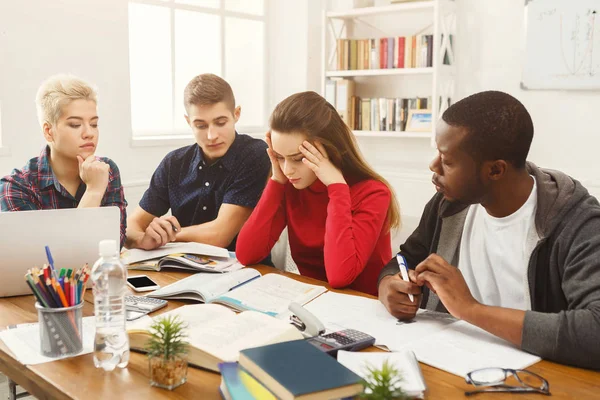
{"type": "Point", "coordinates": [60, 330]}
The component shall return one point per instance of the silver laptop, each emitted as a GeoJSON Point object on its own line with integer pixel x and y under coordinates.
{"type": "Point", "coordinates": [72, 234]}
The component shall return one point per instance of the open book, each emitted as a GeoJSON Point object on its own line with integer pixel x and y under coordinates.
{"type": "Point", "coordinates": [189, 262]}
{"type": "Point", "coordinates": [242, 290]}
{"type": "Point", "coordinates": [187, 256]}
{"type": "Point", "coordinates": [216, 334]}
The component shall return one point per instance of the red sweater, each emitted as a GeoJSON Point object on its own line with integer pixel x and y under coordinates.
{"type": "Point", "coordinates": [337, 233]}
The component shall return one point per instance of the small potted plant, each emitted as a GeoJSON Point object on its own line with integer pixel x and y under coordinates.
{"type": "Point", "coordinates": [166, 352]}
{"type": "Point", "coordinates": [383, 384]}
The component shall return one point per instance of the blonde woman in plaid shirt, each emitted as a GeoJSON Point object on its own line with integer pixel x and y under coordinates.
{"type": "Point", "coordinates": [67, 173]}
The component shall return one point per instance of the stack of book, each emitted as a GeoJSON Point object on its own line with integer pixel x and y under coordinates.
{"type": "Point", "coordinates": [385, 53]}
{"type": "Point", "coordinates": [287, 371]}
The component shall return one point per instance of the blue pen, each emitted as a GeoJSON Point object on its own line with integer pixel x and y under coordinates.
{"type": "Point", "coordinates": [49, 255]}
{"type": "Point", "coordinates": [51, 262]}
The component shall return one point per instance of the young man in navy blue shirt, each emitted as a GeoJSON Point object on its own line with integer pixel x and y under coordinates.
{"type": "Point", "coordinates": [211, 186]}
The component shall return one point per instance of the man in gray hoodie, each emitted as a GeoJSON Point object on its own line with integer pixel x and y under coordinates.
{"type": "Point", "coordinates": [504, 245]}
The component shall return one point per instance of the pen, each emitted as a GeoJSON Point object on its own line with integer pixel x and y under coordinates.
{"type": "Point", "coordinates": [174, 227]}
{"type": "Point", "coordinates": [404, 271]}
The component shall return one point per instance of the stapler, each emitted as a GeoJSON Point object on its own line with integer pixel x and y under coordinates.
{"type": "Point", "coordinates": [305, 321]}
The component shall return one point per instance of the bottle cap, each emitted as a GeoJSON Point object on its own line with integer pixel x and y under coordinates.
{"type": "Point", "coordinates": [108, 248]}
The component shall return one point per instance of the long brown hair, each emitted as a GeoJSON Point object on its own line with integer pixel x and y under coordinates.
{"type": "Point", "coordinates": [312, 115]}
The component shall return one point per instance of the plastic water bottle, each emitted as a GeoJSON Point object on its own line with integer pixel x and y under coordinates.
{"type": "Point", "coordinates": [111, 344]}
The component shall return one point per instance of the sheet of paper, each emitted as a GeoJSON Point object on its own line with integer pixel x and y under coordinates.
{"type": "Point", "coordinates": [462, 348]}
{"type": "Point", "coordinates": [24, 342]}
{"type": "Point", "coordinates": [136, 255]}
{"type": "Point", "coordinates": [341, 311]}
{"type": "Point", "coordinates": [405, 362]}
{"type": "Point", "coordinates": [272, 294]}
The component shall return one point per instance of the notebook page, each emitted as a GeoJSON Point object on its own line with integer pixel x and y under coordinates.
{"type": "Point", "coordinates": [405, 362]}
{"type": "Point", "coordinates": [462, 348]}
{"type": "Point", "coordinates": [195, 316]}
{"type": "Point", "coordinates": [225, 337]}
{"type": "Point", "coordinates": [271, 294]}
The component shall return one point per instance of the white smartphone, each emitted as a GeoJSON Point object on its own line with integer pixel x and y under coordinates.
{"type": "Point", "coordinates": [142, 283]}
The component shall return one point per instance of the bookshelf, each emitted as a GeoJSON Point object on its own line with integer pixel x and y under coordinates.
{"type": "Point", "coordinates": [434, 81]}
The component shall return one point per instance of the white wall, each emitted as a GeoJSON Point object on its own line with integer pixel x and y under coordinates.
{"type": "Point", "coordinates": [89, 38]}
{"type": "Point", "coordinates": [490, 54]}
{"type": "Point", "coordinates": [489, 49]}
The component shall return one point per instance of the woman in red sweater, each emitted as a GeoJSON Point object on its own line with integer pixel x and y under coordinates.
{"type": "Point", "coordinates": [338, 211]}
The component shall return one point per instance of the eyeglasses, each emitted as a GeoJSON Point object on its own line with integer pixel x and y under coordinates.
{"type": "Point", "coordinates": [526, 382]}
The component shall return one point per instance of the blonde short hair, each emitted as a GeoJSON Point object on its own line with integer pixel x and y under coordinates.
{"type": "Point", "coordinates": [58, 91]}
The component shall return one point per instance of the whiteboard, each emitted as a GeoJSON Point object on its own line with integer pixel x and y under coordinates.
{"type": "Point", "coordinates": [562, 44]}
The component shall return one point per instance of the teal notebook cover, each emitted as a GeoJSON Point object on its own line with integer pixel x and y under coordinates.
{"type": "Point", "coordinates": [300, 367]}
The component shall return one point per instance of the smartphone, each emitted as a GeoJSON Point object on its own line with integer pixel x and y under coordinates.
{"type": "Point", "coordinates": [142, 283]}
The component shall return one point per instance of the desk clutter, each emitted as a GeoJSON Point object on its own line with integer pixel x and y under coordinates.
{"type": "Point", "coordinates": [244, 332]}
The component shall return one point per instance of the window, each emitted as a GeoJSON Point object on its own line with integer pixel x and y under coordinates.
{"type": "Point", "coordinates": [171, 41]}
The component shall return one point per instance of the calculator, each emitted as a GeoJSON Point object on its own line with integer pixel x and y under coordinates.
{"type": "Point", "coordinates": [348, 339]}
{"type": "Point", "coordinates": [143, 304]}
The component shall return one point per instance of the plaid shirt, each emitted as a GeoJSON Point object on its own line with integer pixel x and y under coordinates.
{"type": "Point", "coordinates": [35, 187]}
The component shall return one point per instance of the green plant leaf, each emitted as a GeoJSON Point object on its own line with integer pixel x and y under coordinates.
{"type": "Point", "coordinates": [167, 338]}
{"type": "Point", "coordinates": [383, 384]}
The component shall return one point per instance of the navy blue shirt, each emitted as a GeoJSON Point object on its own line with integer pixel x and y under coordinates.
{"type": "Point", "coordinates": [194, 190]}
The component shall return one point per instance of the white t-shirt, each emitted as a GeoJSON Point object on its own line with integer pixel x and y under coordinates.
{"type": "Point", "coordinates": [495, 252]}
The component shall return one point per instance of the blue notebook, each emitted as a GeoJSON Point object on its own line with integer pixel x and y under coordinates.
{"type": "Point", "coordinates": [298, 370]}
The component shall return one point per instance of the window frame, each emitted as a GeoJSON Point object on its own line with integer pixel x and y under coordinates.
{"type": "Point", "coordinates": [139, 138]}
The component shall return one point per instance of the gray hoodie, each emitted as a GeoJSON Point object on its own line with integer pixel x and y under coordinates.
{"type": "Point", "coordinates": [564, 269]}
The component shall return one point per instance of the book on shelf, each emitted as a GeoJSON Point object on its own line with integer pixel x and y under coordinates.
{"type": "Point", "coordinates": [242, 290]}
{"type": "Point", "coordinates": [385, 53]}
{"type": "Point", "coordinates": [343, 96]}
{"type": "Point", "coordinates": [238, 384]}
{"type": "Point", "coordinates": [298, 370]}
{"type": "Point", "coordinates": [217, 334]}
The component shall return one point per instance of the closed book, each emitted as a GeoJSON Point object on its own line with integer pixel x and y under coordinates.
{"type": "Point", "coordinates": [382, 53]}
{"type": "Point", "coordinates": [407, 52]}
{"type": "Point", "coordinates": [374, 53]}
{"type": "Point", "coordinates": [298, 370]}
{"type": "Point", "coordinates": [367, 51]}
{"type": "Point", "coordinates": [340, 57]}
{"type": "Point", "coordinates": [430, 50]}
{"type": "Point", "coordinates": [353, 54]}
{"type": "Point", "coordinates": [344, 93]}
{"type": "Point", "coordinates": [382, 114]}
{"type": "Point", "coordinates": [413, 54]}
{"type": "Point", "coordinates": [391, 115]}
{"type": "Point", "coordinates": [365, 112]}
{"type": "Point", "coordinates": [390, 53]}
{"type": "Point", "coordinates": [401, 51]}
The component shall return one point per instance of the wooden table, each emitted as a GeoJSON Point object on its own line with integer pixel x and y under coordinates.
{"type": "Point", "coordinates": [77, 378]}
